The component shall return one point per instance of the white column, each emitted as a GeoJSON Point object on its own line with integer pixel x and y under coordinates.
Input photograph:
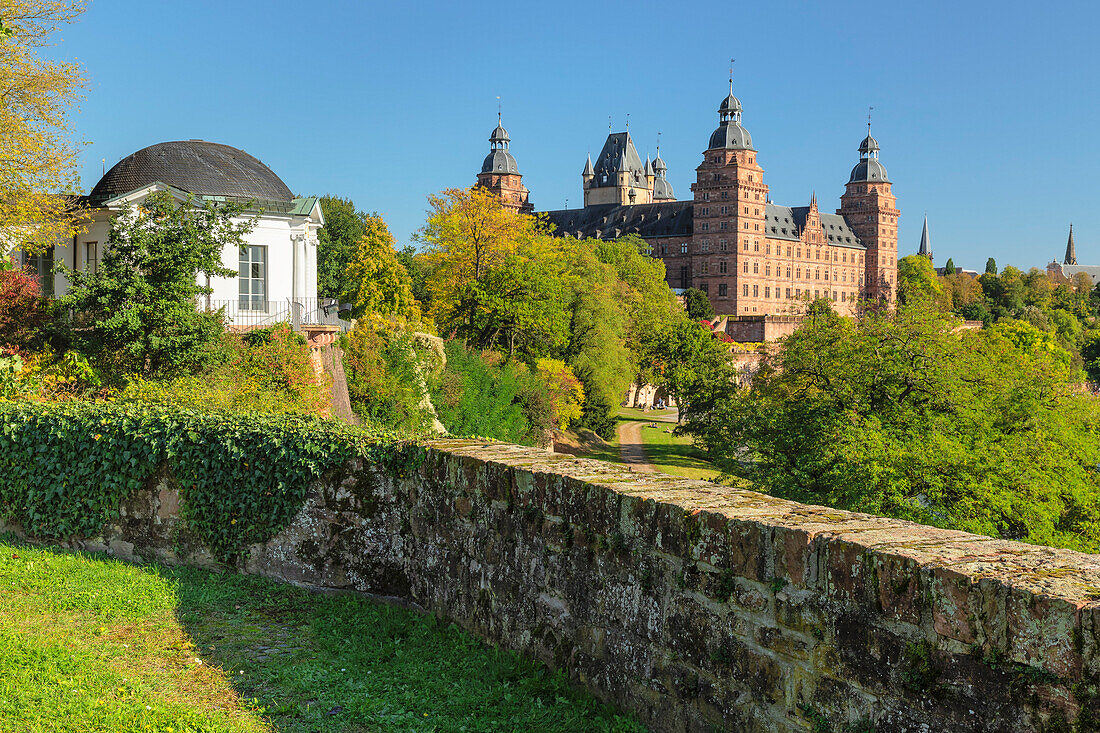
{"type": "Point", "coordinates": [299, 275]}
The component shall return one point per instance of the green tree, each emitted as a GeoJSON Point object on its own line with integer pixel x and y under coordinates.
{"type": "Point", "coordinates": [949, 267]}
{"type": "Point", "coordinates": [991, 266]}
{"type": "Point", "coordinates": [897, 413]}
{"type": "Point", "coordinates": [137, 313]}
{"type": "Point", "coordinates": [697, 304]}
{"type": "Point", "coordinates": [377, 283]}
{"type": "Point", "coordinates": [496, 275]}
{"type": "Point", "coordinates": [916, 278]}
{"type": "Point", "coordinates": [336, 244]}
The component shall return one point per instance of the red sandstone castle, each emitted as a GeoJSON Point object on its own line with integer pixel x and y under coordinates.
{"type": "Point", "coordinates": [751, 257]}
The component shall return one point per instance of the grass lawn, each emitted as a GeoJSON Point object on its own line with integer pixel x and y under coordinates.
{"type": "Point", "coordinates": [94, 644]}
{"type": "Point", "coordinates": [633, 413]}
{"type": "Point", "coordinates": [676, 455]}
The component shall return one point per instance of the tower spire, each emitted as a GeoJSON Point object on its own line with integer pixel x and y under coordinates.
{"type": "Point", "coordinates": [1071, 251]}
{"type": "Point", "coordinates": [925, 242]}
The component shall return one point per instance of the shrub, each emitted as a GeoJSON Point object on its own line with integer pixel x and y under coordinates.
{"type": "Point", "coordinates": [384, 379]}
{"type": "Point", "coordinates": [478, 394]}
{"type": "Point", "coordinates": [21, 311]}
{"type": "Point", "coordinates": [65, 468]}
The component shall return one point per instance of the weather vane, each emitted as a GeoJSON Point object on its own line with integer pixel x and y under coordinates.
{"type": "Point", "coordinates": [731, 75]}
{"type": "Point", "coordinates": [498, 108]}
{"type": "Point", "coordinates": [869, 120]}
{"type": "Point", "coordinates": [628, 121]}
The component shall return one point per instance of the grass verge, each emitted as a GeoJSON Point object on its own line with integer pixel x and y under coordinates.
{"type": "Point", "coordinates": [89, 643]}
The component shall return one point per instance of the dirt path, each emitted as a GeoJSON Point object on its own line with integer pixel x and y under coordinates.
{"type": "Point", "coordinates": [631, 447]}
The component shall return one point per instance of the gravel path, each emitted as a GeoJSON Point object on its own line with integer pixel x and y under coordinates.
{"type": "Point", "coordinates": [631, 447]}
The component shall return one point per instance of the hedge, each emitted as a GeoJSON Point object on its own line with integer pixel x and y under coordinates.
{"type": "Point", "coordinates": [65, 468]}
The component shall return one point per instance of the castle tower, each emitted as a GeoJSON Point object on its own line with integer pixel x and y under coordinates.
{"type": "Point", "coordinates": [1071, 251]}
{"type": "Point", "coordinates": [729, 216]}
{"type": "Point", "coordinates": [618, 173]}
{"type": "Point", "coordinates": [662, 189]}
{"type": "Point", "coordinates": [871, 209]}
{"type": "Point", "coordinates": [500, 174]}
{"type": "Point", "coordinates": [925, 249]}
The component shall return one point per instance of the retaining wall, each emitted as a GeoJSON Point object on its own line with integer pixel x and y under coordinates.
{"type": "Point", "coordinates": [697, 607]}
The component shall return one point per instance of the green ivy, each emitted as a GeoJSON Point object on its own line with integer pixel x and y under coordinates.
{"type": "Point", "coordinates": [66, 468]}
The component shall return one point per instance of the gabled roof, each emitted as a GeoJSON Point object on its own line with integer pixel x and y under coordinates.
{"type": "Point", "coordinates": [611, 221]}
{"type": "Point", "coordinates": [786, 222]}
{"type": "Point", "coordinates": [619, 154]}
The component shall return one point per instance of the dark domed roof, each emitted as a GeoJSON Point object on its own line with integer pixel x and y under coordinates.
{"type": "Point", "coordinates": [869, 145]}
{"type": "Point", "coordinates": [730, 104]}
{"type": "Point", "coordinates": [195, 166]}
{"type": "Point", "coordinates": [868, 169]}
{"type": "Point", "coordinates": [499, 135]}
{"type": "Point", "coordinates": [730, 136]}
{"type": "Point", "coordinates": [499, 161]}
{"type": "Point", "coordinates": [662, 190]}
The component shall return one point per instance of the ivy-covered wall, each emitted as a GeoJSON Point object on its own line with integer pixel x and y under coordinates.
{"type": "Point", "coordinates": [700, 608]}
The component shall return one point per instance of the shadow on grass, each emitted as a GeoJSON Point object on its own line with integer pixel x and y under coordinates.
{"type": "Point", "coordinates": [148, 647]}
{"type": "Point", "coordinates": [318, 662]}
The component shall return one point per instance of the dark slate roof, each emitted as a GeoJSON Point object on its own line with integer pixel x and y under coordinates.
{"type": "Point", "coordinates": [611, 221]}
{"type": "Point", "coordinates": [618, 154]}
{"type": "Point", "coordinates": [662, 189]}
{"type": "Point", "coordinates": [780, 223]}
{"type": "Point", "coordinates": [196, 166]}
{"type": "Point", "coordinates": [499, 161]}
{"type": "Point", "coordinates": [730, 136]}
{"type": "Point", "coordinates": [837, 230]}
{"type": "Point", "coordinates": [869, 170]}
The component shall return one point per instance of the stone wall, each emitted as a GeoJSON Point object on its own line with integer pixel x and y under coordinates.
{"type": "Point", "coordinates": [697, 607]}
{"type": "Point", "coordinates": [757, 329]}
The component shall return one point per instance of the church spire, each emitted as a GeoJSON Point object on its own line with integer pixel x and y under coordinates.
{"type": "Point", "coordinates": [1071, 251]}
{"type": "Point", "coordinates": [925, 242]}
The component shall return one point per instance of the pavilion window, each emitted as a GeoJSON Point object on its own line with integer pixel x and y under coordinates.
{"type": "Point", "coordinates": [252, 278]}
{"type": "Point", "coordinates": [42, 266]}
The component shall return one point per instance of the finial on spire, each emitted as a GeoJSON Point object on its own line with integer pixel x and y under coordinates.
{"type": "Point", "coordinates": [869, 120]}
{"type": "Point", "coordinates": [498, 109]}
{"type": "Point", "coordinates": [658, 143]}
{"type": "Point", "coordinates": [731, 75]}
{"type": "Point", "coordinates": [628, 122]}
{"type": "Point", "coordinates": [609, 124]}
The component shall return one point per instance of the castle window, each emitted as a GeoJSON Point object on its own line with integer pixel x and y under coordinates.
{"type": "Point", "coordinates": [664, 249]}
{"type": "Point", "coordinates": [745, 290]}
{"type": "Point", "coordinates": [745, 267]}
{"type": "Point", "coordinates": [756, 227]}
{"type": "Point", "coordinates": [724, 225]}
{"type": "Point", "coordinates": [817, 274]}
{"type": "Point", "coordinates": [706, 211]}
{"type": "Point", "coordinates": [704, 227]}
{"type": "Point", "coordinates": [722, 246]}
{"type": "Point", "coordinates": [788, 293]}
{"type": "Point", "coordinates": [788, 271]}
{"type": "Point", "coordinates": [746, 225]}
{"type": "Point", "coordinates": [746, 209]}
{"type": "Point", "coordinates": [746, 245]}
{"type": "Point", "coordinates": [705, 267]}
{"type": "Point", "coordinates": [756, 246]}
{"type": "Point", "coordinates": [798, 273]}
{"type": "Point", "coordinates": [768, 270]}
{"type": "Point", "coordinates": [724, 210]}
{"type": "Point", "coordinates": [755, 268]}
{"type": "Point", "coordinates": [768, 247]}
{"type": "Point", "coordinates": [683, 248]}
{"type": "Point", "coordinates": [756, 291]}
{"type": "Point", "coordinates": [767, 292]}
{"type": "Point", "coordinates": [705, 288]}
{"type": "Point", "coordinates": [788, 250]}
{"type": "Point", "coordinates": [723, 290]}
{"type": "Point", "coordinates": [722, 267]}
{"type": "Point", "coordinates": [725, 195]}
{"type": "Point", "coordinates": [704, 246]}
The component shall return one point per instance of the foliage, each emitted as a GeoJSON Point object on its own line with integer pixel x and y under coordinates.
{"type": "Point", "coordinates": [691, 363]}
{"type": "Point", "coordinates": [697, 304]}
{"type": "Point", "coordinates": [480, 394]}
{"type": "Point", "coordinates": [65, 468]}
{"type": "Point", "coordinates": [21, 310]}
{"type": "Point", "coordinates": [916, 278]}
{"type": "Point", "coordinates": [566, 393]}
{"type": "Point", "coordinates": [96, 644]}
{"type": "Point", "coordinates": [897, 413]}
{"type": "Point", "coordinates": [991, 266]}
{"type": "Point", "coordinates": [597, 414]}
{"type": "Point", "coordinates": [336, 244]}
{"type": "Point", "coordinates": [949, 267]}
{"type": "Point", "coordinates": [263, 370]}
{"type": "Point", "coordinates": [495, 275]}
{"type": "Point", "coordinates": [376, 282]}
{"type": "Point", "coordinates": [38, 155]}
{"type": "Point", "coordinates": [384, 377]}
{"type": "Point", "coordinates": [137, 312]}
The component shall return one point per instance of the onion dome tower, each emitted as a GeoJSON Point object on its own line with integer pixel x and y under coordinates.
{"type": "Point", "coordinates": [870, 208]}
{"type": "Point", "coordinates": [500, 174]}
{"type": "Point", "coordinates": [662, 189]}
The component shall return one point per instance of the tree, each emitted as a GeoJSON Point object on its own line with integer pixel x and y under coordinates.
{"type": "Point", "coordinates": [949, 267]}
{"type": "Point", "coordinates": [496, 274]}
{"type": "Point", "coordinates": [375, 281]}
{"type": "Point", "coordinates": [916, 278]}
{"type": "Point", "coordinates": [898, 413]}
{"type": "Point", "coordinates": [697, 305]}
{"type": "Point", "coordinates": [991, 266]}
{"type": "Point", "coordinates": [21, 311]}
{"type": "Point", "coordinates": [336, 244]}
{"type": "Point", "coordinates": [137, 314]}
{"type": "Point", "coordinates": [37, 155]}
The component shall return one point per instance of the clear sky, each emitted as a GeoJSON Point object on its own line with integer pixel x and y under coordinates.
{"type": "Point", "coordinates": [986, 111]}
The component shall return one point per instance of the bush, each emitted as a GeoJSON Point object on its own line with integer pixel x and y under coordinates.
{"type": "Point", "coordinates": [384, 379]}
{"type": "Point", "coordinates": [265, 370]}
{"type": "Point", "coordinates": [21, 310]}
{"type": "Point", "coordinates": [478, 394]}
{"type": "Point", "coordinates": [65, 468]}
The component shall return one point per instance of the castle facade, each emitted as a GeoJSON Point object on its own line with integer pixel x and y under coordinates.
{"type": "Point", "coordinates": [750, 256]}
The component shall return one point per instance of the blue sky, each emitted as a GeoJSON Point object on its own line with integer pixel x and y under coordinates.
{"type": "Point", "coordinates": [986, 111]}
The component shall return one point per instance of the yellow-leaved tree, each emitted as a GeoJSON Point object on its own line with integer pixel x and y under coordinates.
{"type": "Point", "coordinates": [377, 283]}
{"type": "Point", "coordinates": [496, 275]}
{"type": "Point", "coordinates": [37, 156]}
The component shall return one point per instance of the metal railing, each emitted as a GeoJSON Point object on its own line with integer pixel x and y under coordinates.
{"type": "Point", "coordinates": [247, 313]}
